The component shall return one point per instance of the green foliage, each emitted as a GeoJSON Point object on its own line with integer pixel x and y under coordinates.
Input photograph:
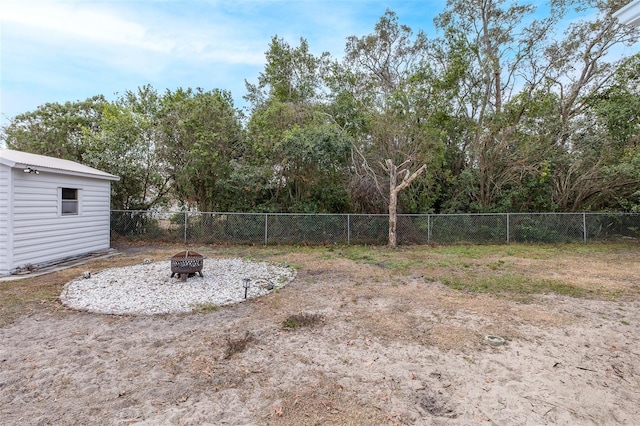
{"type": "Point", "coordinates": [291, 75]}
{"type": "Point", "coordinates": [505, 114]}
{"type": "Point", "coordinates": [204, 136]}
{"type": "Point", "coordinates": [617, 106]}
{"type": "Point", "coordinates": [303, 158]}
{"type": "Point", "coordinates": [127, 146]}
{"type": "Point", "coordinates": [56, 130]}
{"type": "Point", "coordinates": [135, 224]}
{"type": "Point", "coordinates": [206, 308]}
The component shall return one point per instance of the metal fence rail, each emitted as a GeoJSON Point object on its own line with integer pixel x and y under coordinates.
{"type": "Point", "coordinates": [315, 229]}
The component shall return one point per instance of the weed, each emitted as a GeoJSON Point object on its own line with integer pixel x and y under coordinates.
{"type": "Point", "coordinates": [498, 264]}
{"type": "Point", "coordinates": [291, 265]}
{"type": "Point", "coordinates": [237, 345]}
{"type": "Point", "coordinates": [205, 308]}
{"type": "Point", "coordinates": [303, 319]}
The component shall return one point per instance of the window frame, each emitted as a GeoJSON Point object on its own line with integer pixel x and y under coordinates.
{"type": "Point", "coordinates": [65, 203]}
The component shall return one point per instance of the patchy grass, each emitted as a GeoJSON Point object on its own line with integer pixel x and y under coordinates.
{"type": "Point", "coordinates": [22, 297]}
{"type": "Point", "coordinates": [594, 270]}
{"type": "Point", "coordinates": [511, 285]}
{"type": "Point", "coordinates": [205, 308]}
{"type": "Point", "coordinates": [376, 298]}
{"type": "Point", "coordinates": [303, 319]}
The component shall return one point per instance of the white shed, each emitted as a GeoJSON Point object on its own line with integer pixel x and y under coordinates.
{"type": "Point", "coordinates": [50, 210]}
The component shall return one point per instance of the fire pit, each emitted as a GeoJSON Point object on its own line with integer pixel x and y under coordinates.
{"type": "Point", "coordinates": [186, 263]}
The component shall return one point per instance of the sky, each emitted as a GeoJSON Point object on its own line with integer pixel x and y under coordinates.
{"type": "Point", "coordinates": [70, 50]}
{"type": "Point", "coordinates": [59, 51]}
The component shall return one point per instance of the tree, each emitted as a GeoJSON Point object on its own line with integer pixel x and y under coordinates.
{"type": "Point", "coordinates": [203, 137]}
{"type": "Point", "coordinates": [499, 45]}
{"type": "Point", "coordinates": [518, 76]}
{"type": "Point", "coordinates": [290, 75]}
{"type": "Point", "coordinates": [128, 145]}
{"type": "Point", "coordinates": [55, 129]}
{"type": "Point", "coordinates": [580, 71]}
{"type": "Point", "coordinates": [301, 154]}
{"type": "Point", "coordinates": [380, 76]}
{"type": "Point", "coordinates": [394, 172]}
{"type": "Point", "coordinates": [604, 146]}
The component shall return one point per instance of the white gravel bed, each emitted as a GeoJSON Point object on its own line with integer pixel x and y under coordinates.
{"type": "Point", "coordinates": [148, 289]}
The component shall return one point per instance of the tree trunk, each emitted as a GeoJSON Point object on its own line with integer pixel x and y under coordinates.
{"type": "Point", "coordinates": [394, 189]}
{"type": "Point", "coordinates": [393, 205]}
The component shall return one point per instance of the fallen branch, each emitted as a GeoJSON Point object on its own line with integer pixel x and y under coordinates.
{"type": "Point", "coordinates": [586, 369]}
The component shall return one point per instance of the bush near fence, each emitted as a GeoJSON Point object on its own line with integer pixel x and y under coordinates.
{"type": "Point", "coordinates": [323, 229]}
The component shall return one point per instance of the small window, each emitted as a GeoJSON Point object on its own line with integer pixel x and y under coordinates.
{"type": "Point", "coordinates": [69, 201]}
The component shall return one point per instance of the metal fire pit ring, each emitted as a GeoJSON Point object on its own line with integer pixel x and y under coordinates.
{"type": "Point", "coordinates": [186, 263]}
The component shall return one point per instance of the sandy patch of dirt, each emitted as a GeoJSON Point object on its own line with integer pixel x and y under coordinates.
{"type": "Point", "coordinates": [390, 347]}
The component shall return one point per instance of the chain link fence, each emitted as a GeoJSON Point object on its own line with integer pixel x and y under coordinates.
{"type": "Point", "coordinates": [320, 229]}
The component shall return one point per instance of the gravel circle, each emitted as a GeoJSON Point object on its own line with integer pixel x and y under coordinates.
{"type": "Point", "coordinates": [148, 288]}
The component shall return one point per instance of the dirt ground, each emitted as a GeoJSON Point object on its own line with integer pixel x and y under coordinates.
{"type": "Point", "coordinates": [352, 341]}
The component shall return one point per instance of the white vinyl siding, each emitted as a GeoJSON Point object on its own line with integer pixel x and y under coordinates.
{"type": "Point", "coordinates": [42, 234]}
{"type": "Point", "coordinates": [5, 218]}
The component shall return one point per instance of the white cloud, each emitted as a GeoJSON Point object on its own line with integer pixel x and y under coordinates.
{"type": "Point", "coordinates": [132, 28]}
{"type": "Point", "coordinates": [84, 22]}
{"type": "Point", "coordinates": [59, 50]}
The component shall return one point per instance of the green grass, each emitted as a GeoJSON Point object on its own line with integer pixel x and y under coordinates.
{"type": "Point", "coordinates": [531, 251]}
{"type": "Point", "coordinates": [395, 260]}
{"type": "Point", "coordinates": [511, 285]}
{"type": "Point", "coordinates": [206, 308]}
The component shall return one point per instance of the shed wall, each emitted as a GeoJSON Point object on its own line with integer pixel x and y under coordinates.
{"type": "Point", "coordinates": [41, 234]}
{"type": "Point", "coordinates": [5, 205]}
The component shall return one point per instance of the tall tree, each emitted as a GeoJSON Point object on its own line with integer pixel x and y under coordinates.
{"type": "Point", "coordinates": [55, 129]}
{"type": "Point", "coordinates": [303, 157]}
{"type": "Point", "coordinates": [500, 43]}
{"type": "Point", "coordinates": [300, 152]}
{"type": "Point", "coordinates": [380, 76]}
{"type": "Point", "coordinates": [128, 145]}
{"type": "Point", "coordinates": [519, 70]}
{"type": "Point", "coordinates": [581, 68]}
{"type": "Point", "coordinates": [203, 138]}
{"type": "Point", "coordinates": [291, 74]}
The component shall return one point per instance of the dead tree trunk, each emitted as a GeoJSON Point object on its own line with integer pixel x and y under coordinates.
{"type": "Point", "coordinates": [395, 188]}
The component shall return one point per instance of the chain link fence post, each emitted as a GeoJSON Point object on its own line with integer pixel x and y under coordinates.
{"type": "Point", "coordinates": [266, 228]}
{"type": "Point", "coordinates": [185, 227]}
